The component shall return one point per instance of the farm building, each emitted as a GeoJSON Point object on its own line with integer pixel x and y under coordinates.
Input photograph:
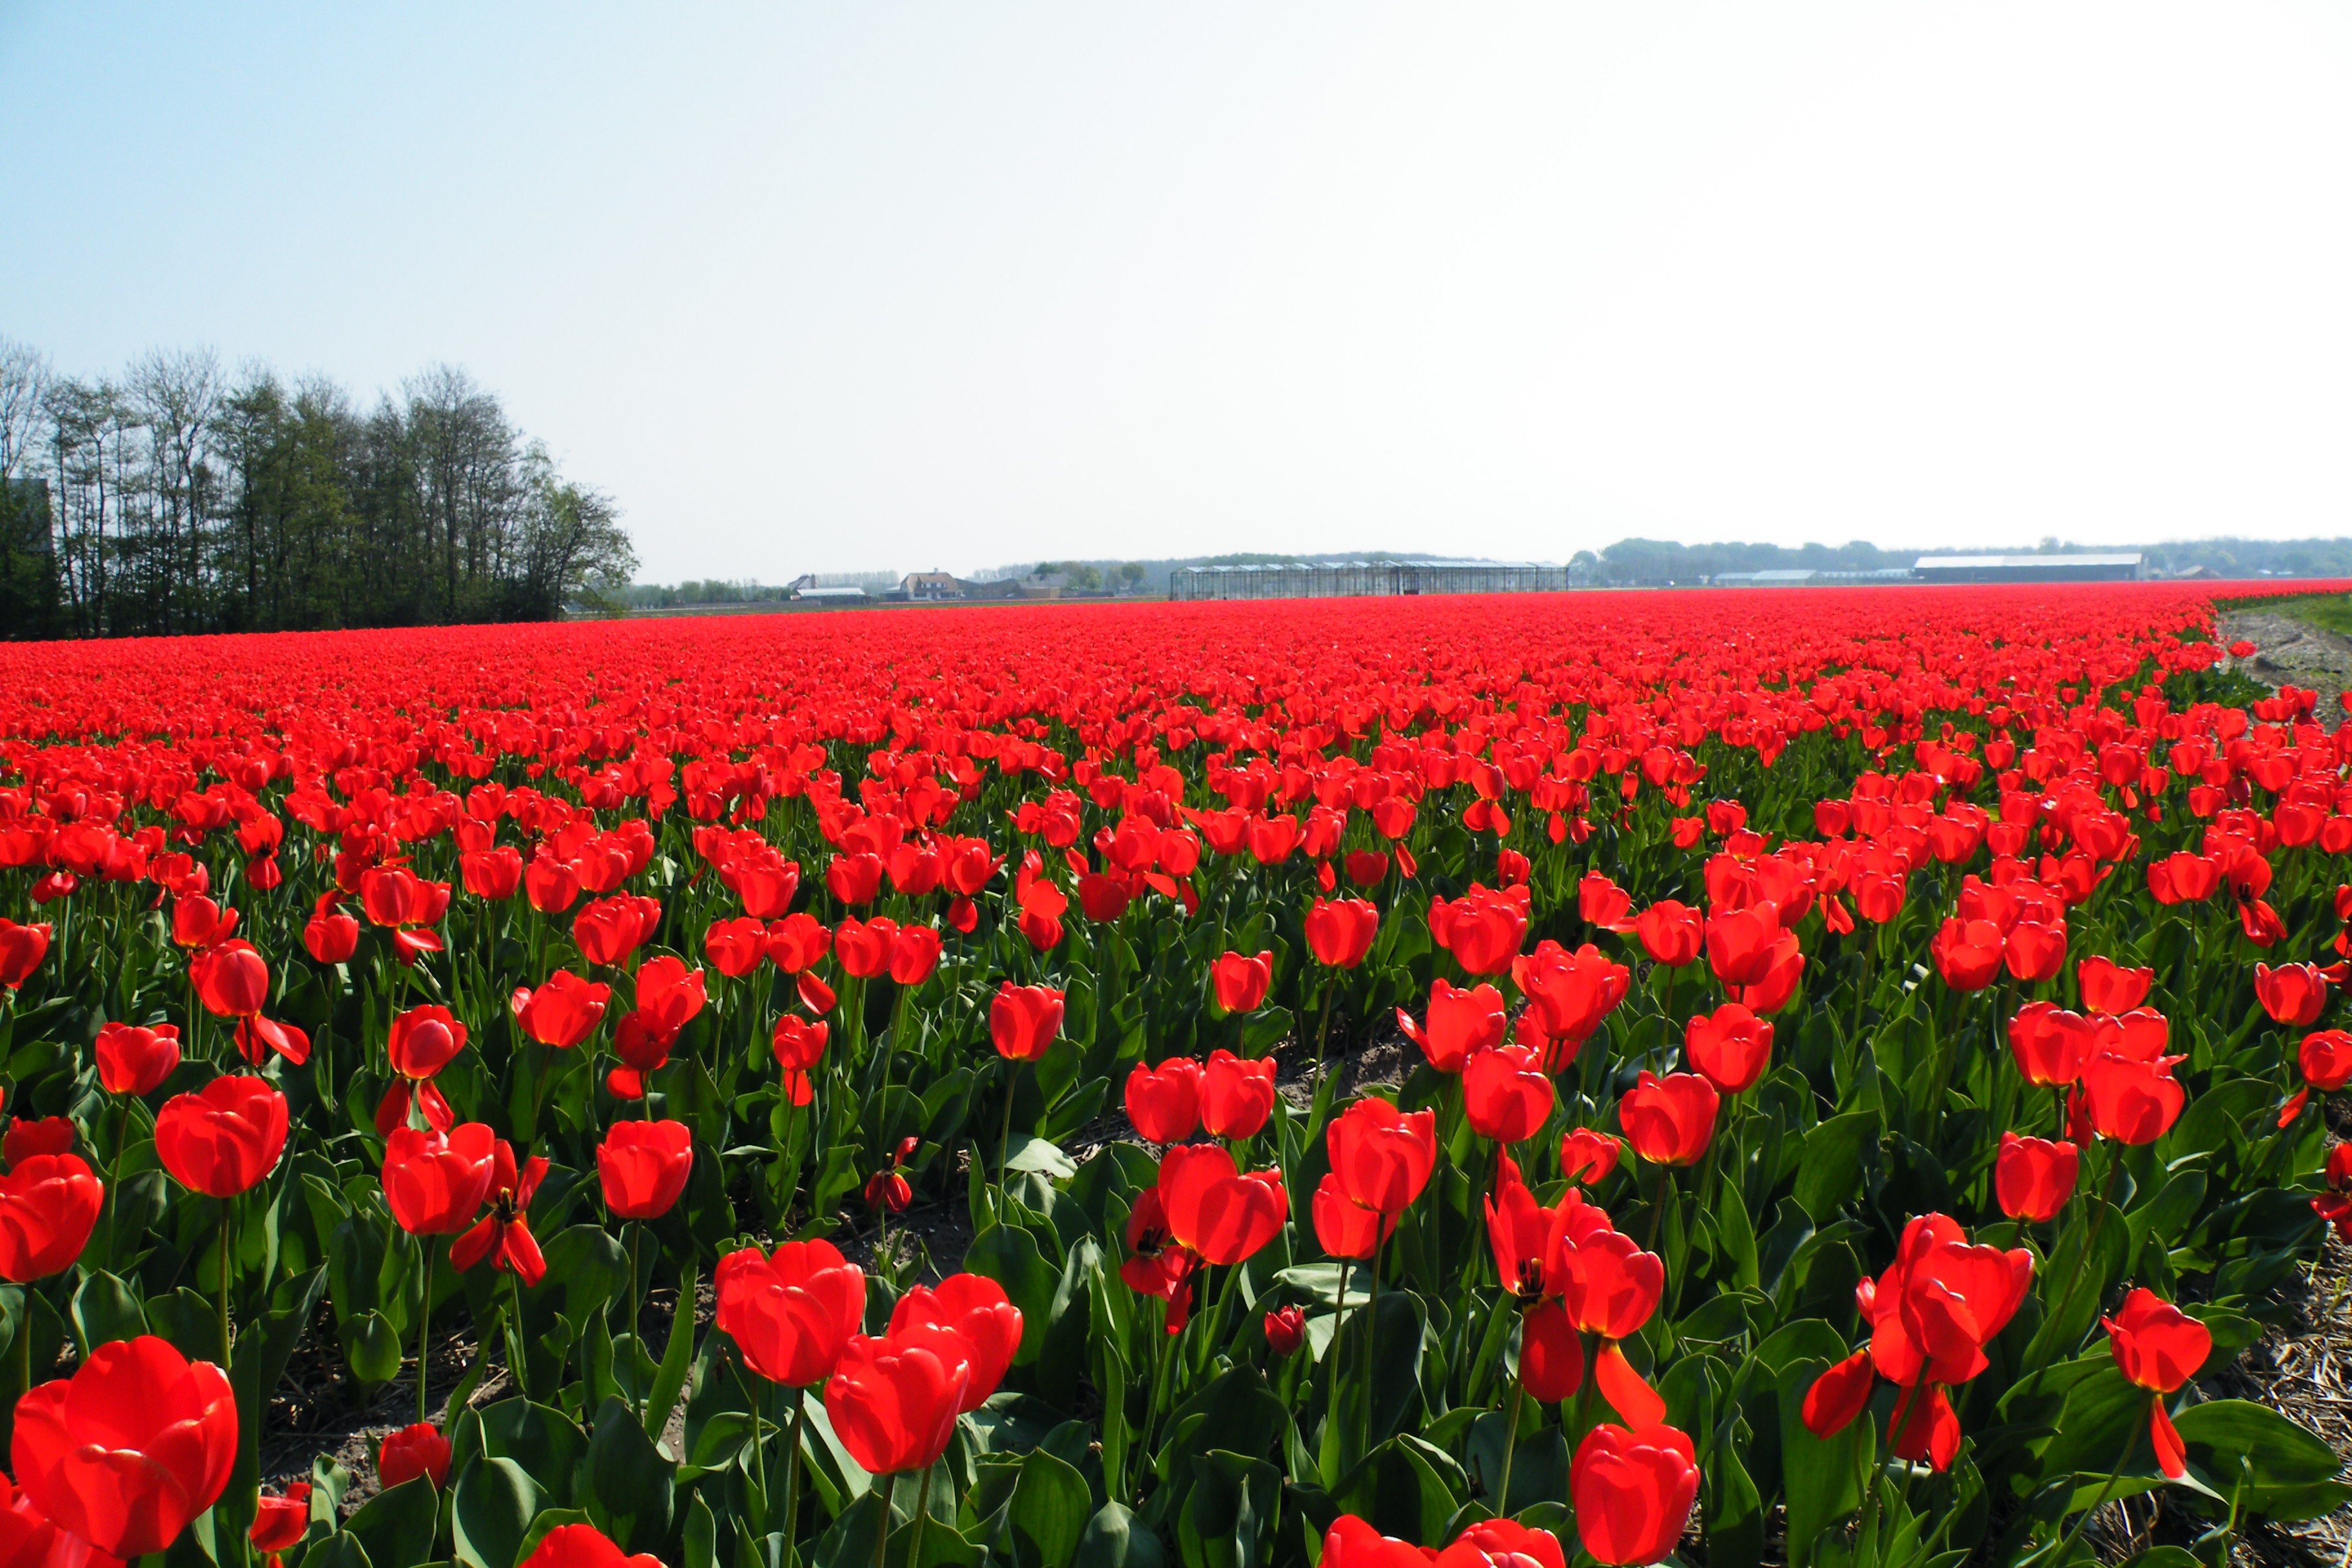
{"type": "Point", "coordinates": [2115, 567]}
{"type": "Point", "coordinates": [1364, 579]}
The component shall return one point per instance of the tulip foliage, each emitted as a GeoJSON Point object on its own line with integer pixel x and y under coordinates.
{"type": "Point", "coordinates": [1824, 1079]}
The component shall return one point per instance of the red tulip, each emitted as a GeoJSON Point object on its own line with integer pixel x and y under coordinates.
{"type": "Point", "coordinates": [2034, 950]}
{"type": "Point", "coordinates": [27, 1540]}
{"type": "Point", "coordinates": [1743, 945]}
{"type": "Point", "coordinates": [424, 1040]}
{"type": "Point", "coordinates": [410, 1452]}
{"type": "Point", "coordinates": [22, 948]}
{"type": "Point", "coordinates": [132, 1060]}
{"type": "Point", "coordinates": [1670, 932]}
{"type": "Point", "coordinates": [223, 1139]}
{"type": "Point", "coordinates": [1569, 993]}
{"type": "Point", "coordinates": [1164, 1103]}
{"type": "Point", "coordinates": [1340, 931]}
{"type": "Point", "coordinates": [2131, 1101]}
{"type": "Point", "coordinates": [583, 1546]}
{"type": "Point", "coordinates": [2032, 1177]}
{"type": "Point", "coordinates": [1236, 1094]}
{"type": "Point", "coordinates": [1586, 1156]}
{"type": "Point", "coordinates": [1941, 1302]}
{"type": "Point", "coordinates": [791, 1313]}
{"type": "Point", "coordinates": [1611, 1286]}
{"type": "Point", "coordinates": [562, 1013]}
{"type": "Point", "coordinates": [1353, 1544]}
{"type": "Point", "coordinates": [1461, 1024]}
{"type": "Point", "coordinates": [1382, 1155]}
{"type": "Point", "coordinates": [735, 946]}
{"type": "Point", "coordinates": [1632, 1491]}
{"type": "Point", "coordinates": [1968, 953]}
{"type": "Point", "coordinates": [280, 1523]}
{"type": "Point", "coordinates": [798, 1045]}
{"type": "Point", "coordinates": [493, 874]}
{"type": "Point", "coordinates": [1285, 1330]}
{"type": "Point", "coordinates": [2293, 993]}
{"type": "Point", "coordinates": [606, 930]}
{"type": "Point", "coordinates": [1730, 1046]}
{"type": "Point", "coordinates": [1602, 904]}
{"type": "Point", "coordinates": [1343, 1227]}
{"type": "Point", "coordinates": [198, 922]}
{"type": "Point", "coordinates": [1551, 1354]}
{"type": "Point", "coordinates": [863, 947]}
{"type": "Point", "coordinates": [232, 980]}
{"type": "Point", "coordinates": [29, 1136]}
{"type": "Point", "coordinates": [669, 994]}
{"type": "Point", "coordinates": [125, 1452]}
{"type": "Point", "coordinates": [643, 1167]}
{"type": "Point", "coordinates": [1214, 1210]}
{"type": "Point", "coordinates": [976, 1308]}
{"type": "Point", "coordinates": [855, 879]}
{"type": "Point", "coordinates": [1024, 1020]}
{"type": "Point", "coordinates": [915, 954]}
{"type": "Point", "coordinates": [797, 942]}
{"type": "Point", "coordinates": [434, 1183]}
{"type": "Point", "coordinates": [330, 936]}
{"type": "Point", "coordinates": [552, 885]}
{"type": "Point", "coordinates": [49, 1203]}
{"type": "Point", "coordinates": [504, 1234]}
{"type": "Point", "coordinates": [2158, 1348]}
{"type": "Point", "coordinates": [1838, 1395]}
{"type": "Point", "coordinates": [1502, 1543]}
{"type": "Point", "coordinates": [1668, 1121]}
{"type": "Point", "coordinates": [2326, 1058]}
{"type": "Point", "coordinates": [2107, 988]}
{"type": "Point", "coordinates": [894, 1404]}
{"type": "Point", "coordinates": [1483, 929]}
{"type": "Point", "coordinates": [1505, 1093]}
{"type": "Point", "coordinates": [1240, 983]}
{"type": "Point", "coordinates": [2050, 1046]}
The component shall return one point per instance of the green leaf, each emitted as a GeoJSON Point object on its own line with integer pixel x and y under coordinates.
{"type": "Point", "coordinates": [1048, 1512]}
{"type": "Point", "coordinates": [1406, 1489]}
{"type": "Point", "coordinates": [397, 1526]}
{"type": "Point", "coordinates": [1829, 1177]}
{"type": "Point", "coordinates": [341, 1550]}
{"type": "Point", "coordinates": [1036, 1156]}
{"type": "Point", "coordinates": [677, 1359]}
{"type": "Point", "coordinates": [1819, 1475]}
{"type": "Point", "coordinates": [2288, 1472]}
{"type": "Point", "coordinates": [1011, 1257]}
{"type": "Point", "coordinates": [1115, 1538]}
{"type": "Point", "coordinates": [543, 1442]}
{"type": "Point", "coordinates": [105, 1309]}
{"type": "Point", "coordinates": [1229, 1519]}
{"type": "Point", "coordinates": [371, 1347]}
{"type": "Point", "coordinates": [629, 1485]}
{"type": "Point", "coordinates": [493, 1504]}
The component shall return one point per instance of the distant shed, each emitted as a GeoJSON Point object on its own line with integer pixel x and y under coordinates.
{"type": "Point", "coordinates": [1365, 579]}
{"type": "Point", "coordinates": [2116, 567]}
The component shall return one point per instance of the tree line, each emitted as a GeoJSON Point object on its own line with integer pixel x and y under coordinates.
{"type": "Point", "coordinates": [176, 497]}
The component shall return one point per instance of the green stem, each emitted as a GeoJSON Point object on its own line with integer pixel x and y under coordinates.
{"type": "Point", "coordinates": [423, 1319]}
{"type": "Point", "coordinates": [1004, 1138]}
{"type": "Point", "coordinates": [2090, 1241]}
{"type": "Point", "coordinates": [2131, 1445]}
{"type": "Point", "coordinates": [229, 1212]}
{"type": "Point", "coordinates": [922, 1507]}
{"type": "Point", "coordinates": [1372, 1329]}
{"type": "Point", "coordinates": [793, 1476]}
{"type": "Point", "coordinates": [1510, 1448]}
{"type": "Point", "coordinates": [520, 1344]}
{"type": "Point", "coordinates": [636, 1313]}
{"type": "Point", "coordinates": [882, 1526]}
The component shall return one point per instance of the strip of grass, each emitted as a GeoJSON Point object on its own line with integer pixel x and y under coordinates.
{"type": "Point", "coordinates": [2329, 612]}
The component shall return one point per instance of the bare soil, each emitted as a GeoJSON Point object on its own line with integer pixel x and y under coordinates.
{"type": "Point", "coordinates": [2291, 652]}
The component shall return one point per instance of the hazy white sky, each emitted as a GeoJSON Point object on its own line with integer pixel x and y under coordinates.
{"type": "Point", "coordinates": [892, 285]}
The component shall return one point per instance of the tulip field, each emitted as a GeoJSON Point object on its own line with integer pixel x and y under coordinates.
{"type": "Point", "coordinates": [1811, 1078]}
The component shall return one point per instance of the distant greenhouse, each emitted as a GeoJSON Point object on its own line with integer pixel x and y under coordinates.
{"type": "Point", "coordinates": [1364, 579]}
